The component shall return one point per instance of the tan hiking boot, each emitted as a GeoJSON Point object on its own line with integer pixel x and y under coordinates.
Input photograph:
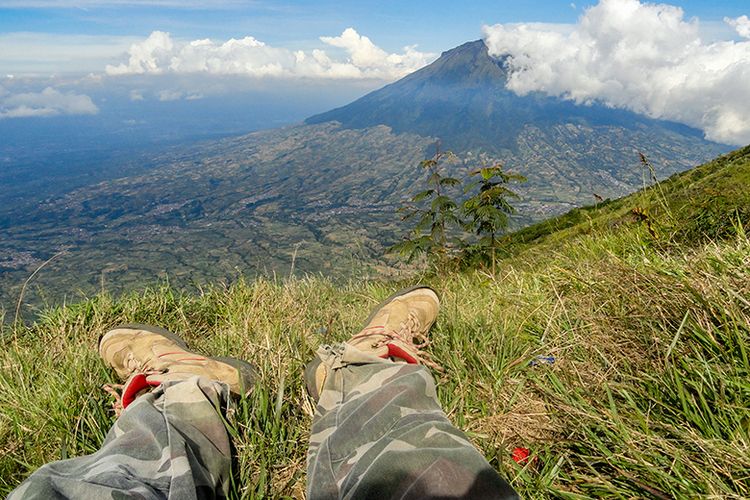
{"type": "Point", "coordinates": [397, 329]}
{"type": "Point", "coordinates": [145, 356]}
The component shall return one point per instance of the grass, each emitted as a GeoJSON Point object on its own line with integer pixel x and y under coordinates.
{"type": "Point", "coordinates": [648, 396]}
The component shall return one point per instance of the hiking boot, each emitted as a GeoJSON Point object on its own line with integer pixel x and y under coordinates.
{"type": "Point", "coordinates": [397, 329]}
{"type": "Point", "coordinates": [145, 356]}
{"type": "Point", "coordinates": [398, 326]}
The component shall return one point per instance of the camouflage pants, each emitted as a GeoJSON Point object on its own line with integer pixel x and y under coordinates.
{"type": "Point", "coordinates": [378, 432]}
{"type": "Point", "coordinates": [170, 442]}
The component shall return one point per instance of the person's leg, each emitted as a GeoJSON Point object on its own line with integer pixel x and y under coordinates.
{"type": "Point", "coordinates": [170, 440]}
{"type": "Point", "coordinates": [379, 431]}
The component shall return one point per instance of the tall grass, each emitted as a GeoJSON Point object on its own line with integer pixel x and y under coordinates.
{"type": "Point", "coordinates": [648, 395]}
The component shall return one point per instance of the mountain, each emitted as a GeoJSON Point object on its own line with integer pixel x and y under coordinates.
{"type": "Point", "coordinates": [568, 152]}
{"type": "Point", "coordinates": [321, 196]}
{"type": "Point", "coordinates": [461, 98]}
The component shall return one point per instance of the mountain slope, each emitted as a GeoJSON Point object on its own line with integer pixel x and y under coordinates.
{"type": "Point", "coordinates": [706, 203]}
{"type": "Point", "coordinates": [568, 152]}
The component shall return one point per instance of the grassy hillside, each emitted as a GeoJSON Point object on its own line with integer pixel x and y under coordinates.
{"type": "Point", "coordinates": [644, 303]}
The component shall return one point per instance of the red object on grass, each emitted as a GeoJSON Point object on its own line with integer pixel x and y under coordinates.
{"type": "Point", "coordinates": [521, 455]}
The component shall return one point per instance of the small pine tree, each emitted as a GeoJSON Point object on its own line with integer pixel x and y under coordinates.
{"type": "Point", "coordinates": [489, 208]}
{"type": "Point", "coordinates": [435, 211]}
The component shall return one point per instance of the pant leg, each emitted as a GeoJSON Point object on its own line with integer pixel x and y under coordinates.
{"type": "Point", "coordinates": [169, 443]}
{"type": "Point", "coordinates": [379, 432]}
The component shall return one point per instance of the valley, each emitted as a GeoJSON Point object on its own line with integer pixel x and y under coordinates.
{"type": "Point", "coordinates": [321, 197]}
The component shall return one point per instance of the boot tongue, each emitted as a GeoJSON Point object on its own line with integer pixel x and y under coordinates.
{"type": "Point", "coordinates": [125, 394]}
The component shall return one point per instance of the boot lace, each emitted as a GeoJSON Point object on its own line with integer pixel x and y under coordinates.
{"type": "Point", "coordinates": [409, 334]}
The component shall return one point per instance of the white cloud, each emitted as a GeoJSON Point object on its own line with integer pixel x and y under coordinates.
{"type": "Point", "coordinates": [170, 95]}
{"type": "Point", "coordinates": [741, 25]}
{"type": "Point", "coordinates": [136, 95]}
{"type": "Point", "coordinates": [643, 57]}
{"type": "Point", "coordinates": [160, 54]}
{"type": "Point", "coordinates": [48, 102]}
{"type": "Point", "coordinates": [178, 95]}
{"type": "Point", "coordinates": [367, 56]}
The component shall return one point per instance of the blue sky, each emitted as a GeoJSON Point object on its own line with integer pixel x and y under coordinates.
{"type": "Point", "coordinates": [436, 25]}
{"type": "Point", "coordinates": [682, 60]}
{"type": "Point", "coordinates": [432, 25]}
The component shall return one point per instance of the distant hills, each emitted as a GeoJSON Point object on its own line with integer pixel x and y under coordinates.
{"type": "Point", "coordinates": [321, 196]}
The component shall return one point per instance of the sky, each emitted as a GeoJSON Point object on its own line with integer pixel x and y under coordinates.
{"type": "Point", "coordinates": [684, 60]}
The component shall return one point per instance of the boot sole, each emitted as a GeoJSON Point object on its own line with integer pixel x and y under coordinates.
{"type": "Point", "coordinates": [310, 371]}
{"type": "Point", "coordinates": [390, 299]}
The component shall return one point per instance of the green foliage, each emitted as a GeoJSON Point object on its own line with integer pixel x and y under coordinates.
{"type": "Point", "coordinates": [712, 201]}
{"type": "Point", "coordinates": [708, 203]}
{"type": "Point", "coordinates": [434, 213]}
{"type": "Point", "coordinates": [648, 396]}
{"type": "Point", "coordinates": [488, 209]}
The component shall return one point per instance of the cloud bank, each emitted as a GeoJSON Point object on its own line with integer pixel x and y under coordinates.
{"type": "Point", "coordinates": [48, 102]}
{"type": "Point", "coordinates": [644, 57]}
{"type": "Point", "coordinates": [42, 54]}
{"type": "Point", "coordinates": [161, 54]}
